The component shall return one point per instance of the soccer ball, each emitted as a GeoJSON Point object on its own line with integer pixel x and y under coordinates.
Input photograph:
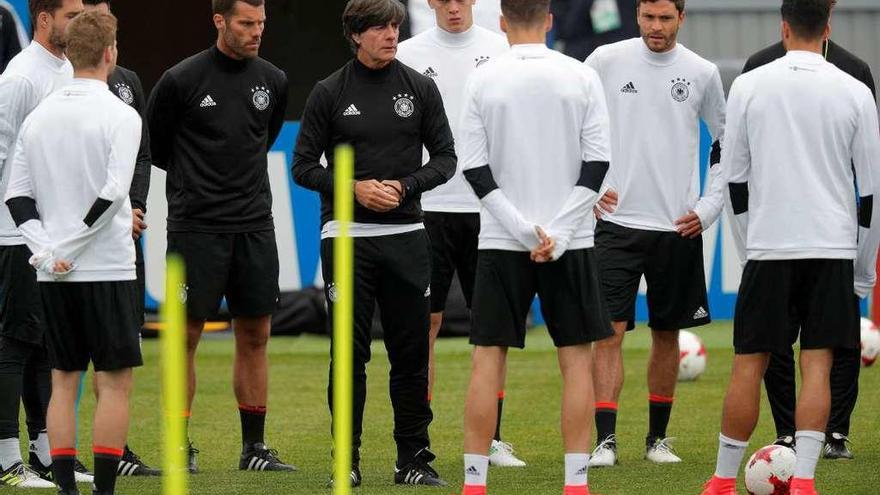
{"type": "Point", "coordinates": [870, 342]}
{"type": "Point", "coordinates": [692, 357]}
{"type": "Point", "coordinates": [769, 471]}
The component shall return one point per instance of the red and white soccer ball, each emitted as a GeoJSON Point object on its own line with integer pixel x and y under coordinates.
{"type": "Point", "coordinates": [692, 360]}
{"type": "Point", "coordinates": [769, 471]}
{"type": "Point", "coordinates": [870, 342]}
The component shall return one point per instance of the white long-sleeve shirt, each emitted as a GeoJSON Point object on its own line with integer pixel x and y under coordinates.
{"type": "Point", "coordinates": [535, 135]}
{"type": "Point", "coordinates": [656, 101]}
{"type": "Point", "coordinates": [487, 14]}
{"type": "Point", "coordinates": [29, 78]}
{"type": "Point", "coordinates": [795, 129]}
{"type": "Point", "coordinates": [75, 158]}
{"type": "Point", "coordinates": [449, 58]}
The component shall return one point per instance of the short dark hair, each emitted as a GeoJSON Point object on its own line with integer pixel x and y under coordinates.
{"type": "Point", "coordinates": [37, 6]}
{"type": "Point", "coordinates": [227, 7]}
{"type": "Point", "coordinates": [807, 18]}
{"type": "Point", "coordinates": [679, 4]}
{"type": "Point", "coordinates": [96, 2]}
{"type": "Point", "coordinates": [525, 11]}
{"type": "Point", "coordinates": [360, 15]}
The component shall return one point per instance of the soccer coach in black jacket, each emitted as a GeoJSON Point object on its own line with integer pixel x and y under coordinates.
{"type": "Point", "coordinates": [388, 113]}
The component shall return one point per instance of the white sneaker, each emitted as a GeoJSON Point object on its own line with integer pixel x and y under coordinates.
{"type": "Point", "coordinates": [21, 476]}
{"type": "Point", "coordinates": [661, 452]}
{"type": "Point", "coordinates": [81, 473]}
{"type": "Point", "coordinates": [605, 454]}
{"type": "Point", "coordinates": [501, 455]}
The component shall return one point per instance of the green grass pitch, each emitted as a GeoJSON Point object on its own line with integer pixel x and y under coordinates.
{"type": "Point", "coordinates": [298, 424]}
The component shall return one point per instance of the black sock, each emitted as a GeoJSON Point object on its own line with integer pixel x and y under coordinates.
{"type": "Point", "coordinates": [106, 466]}
{"type": "Point", "coordinates": [62, 469]}
{"type": "Point", "coordinates": [253, 424]}
{"type": "Point", "coordinates": [659, 410]}
{"type": "Point", "coordinates": [498, 419]}
{"type": "Point", "coordinates": [606, 420]}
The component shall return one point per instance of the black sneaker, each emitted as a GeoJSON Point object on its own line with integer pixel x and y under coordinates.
{"type": "Point", "coordinates": [192, 464]}
{"type": "Point", "coordinates": [785, 441]}
{"type": "Point", "coordinates": [355, 477]}
{"type": "Point", "coordinates": [132, 465]}
{"type": "Point", "coordinates": [258, 457]}
{"type": "Point", "coordinates": [81, 474]}
{"type": "Point", "coordinates": [418, 471]}
{"type": "Point", "coordinates": [836, 447]}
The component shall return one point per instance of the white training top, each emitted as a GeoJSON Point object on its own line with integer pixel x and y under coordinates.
{"type": "Point", "coordinates": [656, 101]}
{"type": "Point", "coordinates": [795, 129]}
{"type": "Point", "coordinates": [75, 157]}
{"type": "Point", "coordinates": [449, 58]}
{"type": "Point", "coordinates": [486, 14]}
{"type": "Point", "coordinates": [538, 121]}
{"type": "Point", "coordinates": [29, 78]}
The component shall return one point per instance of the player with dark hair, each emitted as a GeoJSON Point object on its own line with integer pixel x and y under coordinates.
{"type": "Point", "coordinates": [653, 215]}
{"type": "Point", "coordinates": [536, 148]}
{"type": "Point", "coordinates": [213, 118]}
{"type": "Point", "coordinates": [448, 54]}
{"type": "Point", "coordinates": [68, 194]}
{"type": "Point", "coordinates": [800, 132]}
{"type": "Point", "coordinates": [389, 113]}
{"type": "Point", "coordinates": [32, 75]}
{"type": "Point", "coordinates": [780, 376]}
{"type": "Point", "coordinates": [12, 36]}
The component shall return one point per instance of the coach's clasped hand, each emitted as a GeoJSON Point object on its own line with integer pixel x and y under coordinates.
{"type": "Point", "coordinates": [376, 196]}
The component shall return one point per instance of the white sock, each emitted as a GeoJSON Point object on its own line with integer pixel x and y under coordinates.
{"type": "Point", "coordinates": [730, 456]}
{"type": "Point", "coordinates": [9, 453]}
{"type": "Point", "coordinates": [476, 467]}
{"type": "Point", "coordinates": [576, 469]}
{"type": "Point", "coordinates": [40, 446]}
{"type": "Point", "coordinates": [808, 445]}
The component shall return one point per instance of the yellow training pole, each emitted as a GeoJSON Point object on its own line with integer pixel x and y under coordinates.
{"type": "Point", "coordinates": [343, 320]}
{"type": "Point", "coordinates": [173, 339]}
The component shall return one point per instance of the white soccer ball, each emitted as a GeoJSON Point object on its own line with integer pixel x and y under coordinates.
{"type": "Point", "coordinates": [769, 471]}
{"type": "Point", "coordinates": [870, 342]}
{"type": "Point", "coordinates": [692, 357]}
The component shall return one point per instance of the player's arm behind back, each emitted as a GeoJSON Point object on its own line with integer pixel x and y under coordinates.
{"type": "Point", "coordinates": [866, 159]}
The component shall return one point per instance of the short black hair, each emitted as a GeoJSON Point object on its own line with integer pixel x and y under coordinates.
{"type": "Point", "coordinates": [679, 4]}
{"type": "Point", "coordinates": [37, 6]}
{"type": "Point", "coordinates": [360, 15]}
{"type": "Point", "coordinates": [807, 18]}
{"type": "Point", "coordinates": [96, 2]}
{"type": "Point", "coordinates": [525, 12]}
{"type": "Point", "coordinates": [227, 7]}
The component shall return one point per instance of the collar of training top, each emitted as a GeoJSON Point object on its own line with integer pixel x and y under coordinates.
{"type": "Point", "coordinates": [377, 75]}
{"type": "Point", "coordinates": [228, 63]}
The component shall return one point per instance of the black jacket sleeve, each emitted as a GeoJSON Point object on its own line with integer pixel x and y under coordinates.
{"type": "Point", "coordinates": [440, 144]}
{"type": "Point", "coordinates": [140, 183]}
{"type": "Point", "coordinates": [277, 119]}
{"type": "Point", "coordinates": [312, 142]}
{"type": "Point", "coordinates": [163, 112]}
{"type": "Point", "coordinates": [9, 44]}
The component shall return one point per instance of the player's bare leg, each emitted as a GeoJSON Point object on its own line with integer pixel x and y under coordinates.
{"type": "Point", "coordinates": [662, 378]}
{"type": "Point", "coordinates": [61, 425]}
{"type": "Point", "coordinates": [436, 323]}
{"type": "Point", "coordinates": [811, 416]}
{"type": "Point", "coordinates": [251, 383]}
{"type": "Point", "coordinates": [608, 382]}
{"type": "Point", "coordinates": [480, 413]}
{"type": "Point", "coordinates": [575, 363]}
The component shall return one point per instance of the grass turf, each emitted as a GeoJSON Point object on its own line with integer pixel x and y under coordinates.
{"type": "Point", "coordinates": [298, 423]}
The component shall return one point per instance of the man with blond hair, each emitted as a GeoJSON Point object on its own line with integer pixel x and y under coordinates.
{"type": "Point", "coordinates": [68, 195]}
